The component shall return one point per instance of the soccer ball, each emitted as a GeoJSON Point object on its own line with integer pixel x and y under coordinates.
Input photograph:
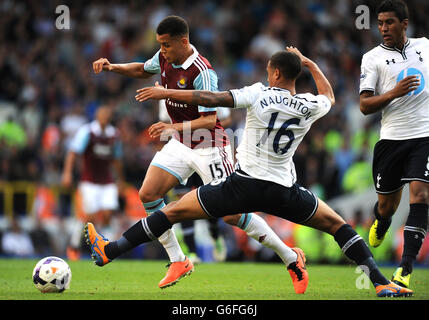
{"type": "Point", "coordinates": [52, 274]}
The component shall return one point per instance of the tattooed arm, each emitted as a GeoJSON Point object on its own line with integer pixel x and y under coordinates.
{"type": "Point", "coordinates": [195, 97]}
{"type": "Point", "coordinates": [211, 99]}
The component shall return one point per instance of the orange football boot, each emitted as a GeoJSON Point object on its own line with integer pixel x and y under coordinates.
{"type": "Point", "coordinates": [298, 272]}
{"type": "Point", "coordinates": [176, 271]}
{"type": "Point", "coordinates": [96, 242]}
{"type": "Point", "coordinates": [392, 290]}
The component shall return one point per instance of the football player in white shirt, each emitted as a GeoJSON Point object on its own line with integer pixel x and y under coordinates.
{"type": "Point", "coordinates": [393, 81]}
{"type": "Point", "coordinates": [277, 120]}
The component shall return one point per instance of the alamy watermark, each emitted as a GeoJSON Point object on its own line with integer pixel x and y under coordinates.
{"type": "Point", "coordinates": [362, 21]}
{"type": "Point", "coordinates": [62, 22]}
{"type": "Point", "coordinates": [362, 281]}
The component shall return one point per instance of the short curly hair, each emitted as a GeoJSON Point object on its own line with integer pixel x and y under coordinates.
{"type": "Point", "coordinates": [173, 26]}
{"type": "Point", "coordinates": [288, 63]}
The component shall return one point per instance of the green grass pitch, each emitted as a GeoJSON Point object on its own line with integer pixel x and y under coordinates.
{"type": "Point", "coordinates": [138, 280]}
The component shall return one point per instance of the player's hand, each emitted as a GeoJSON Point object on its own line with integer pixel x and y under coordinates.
{"type": "Point", "coordinates": [405, 86]}
{"type": "Point", "coordinates": [304, 60]}
{"type": "Point", "coordinates": [101, 64]}
{"type": "Point", "coordinates": [66, 180]}
{"type": "Point", "coordinates": [156, 92]}
{"type": "Point", "coordinates": [160, 128]}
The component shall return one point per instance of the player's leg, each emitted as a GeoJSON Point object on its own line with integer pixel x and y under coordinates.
{"type": "Point", "coordinates": [384, 209]}
{"type": "Point", "coordinates": [240, 193]}
{"type": "Point", "coordinates": [387, 171]}
{"type": "Point", "coordinates": [220, 165]}
{"type": "Point", "coordinates": [145, 230]}
{"type": "Point", "coordinates": [414, 231]}
{"type": "Point", "coordinates": [87, 198]}
{"type": "Point", "coordinates": [210, 164]}
{"type": "Point", "coordinates": [354, 247]}
{"type": "Point", "coordinates": [168, 168]}
{"type": "Point", "coordinates": [416, 172]}
{"type": "Point", "coordinates": [214, 228]}
{"type": "Point", "coordinates": [187, 208]}
{"type": "Point", "coordinates": [188, 231]}
{"type": "Point", "coordinates": [108, 205]}
{"type": "Point", "coordinates": [208, 201]}
{"type": "Point", "coordinates": [73, 249]}
{"type": "Point", "coordinates": [157, 183]}
{"type": "Point", "coordinates": [220, 250]}
{"type": "Point", "coordinates": [258, 229]}
{"type": "Point", "coordinates": [188, 227]}
{"type": "Point", "coordinates": [191, 206]}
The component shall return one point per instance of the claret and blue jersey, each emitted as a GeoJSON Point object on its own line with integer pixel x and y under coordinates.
{"type": "Point", "coordinates": [98, 148]}
{"type": "Point", "coordinates": [195, 73]}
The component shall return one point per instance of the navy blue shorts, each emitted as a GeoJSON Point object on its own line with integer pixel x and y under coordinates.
{"type": "Point", "coordinates": [240, 193]}
{"type": "Point", "coordinates": [397, 162]}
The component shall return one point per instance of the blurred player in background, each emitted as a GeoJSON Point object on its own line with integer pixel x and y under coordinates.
{"type": "Point", "coordinates": [394, 78]}
{"type": "Point", "coordinates": [100, 149]}
{"type": "Point", "coordinates": [190, 150]}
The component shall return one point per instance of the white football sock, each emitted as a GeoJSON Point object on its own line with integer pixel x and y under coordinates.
{"type": "Point", "coordinates": [259, 230]}
{"type": "Point", "coordinates": [171, 245]}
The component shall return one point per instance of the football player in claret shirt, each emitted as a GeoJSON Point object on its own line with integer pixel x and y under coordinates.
{"type": "Point", "coordinates": [265, 179]}
{"type": "Point", "coordinates": [99, 147]}
{"type": "Point", "coordinates": [220, 251]}
{"type": "Point", "coordinates": [199, 143]}
{"type": "Point", "coordinates": [394, 81]}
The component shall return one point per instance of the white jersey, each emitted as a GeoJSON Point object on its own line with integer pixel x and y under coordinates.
{"type": "Point", "coordinates": [276, 123]}
{"type": "Point", "coordinates": [382, 68]}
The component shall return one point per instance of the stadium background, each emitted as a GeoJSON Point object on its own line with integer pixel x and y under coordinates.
{"type": "Point", "coordinates": [48, 90]}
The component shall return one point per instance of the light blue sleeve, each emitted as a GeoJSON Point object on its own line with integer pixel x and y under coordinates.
{"type": "Point", "coordinates": [152, 65]}
{"type": "Point", "coordinates": [118, 150]}
{"type": "Point", "coordinates": [206, 80]}
{"type": "Point", "coordinates": [80, 140]}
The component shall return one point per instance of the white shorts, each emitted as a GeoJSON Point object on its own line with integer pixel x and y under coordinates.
{"type": "Point", "coordinates": [97, 197]}
{"type": "Point", "coordinates": [181, 161]}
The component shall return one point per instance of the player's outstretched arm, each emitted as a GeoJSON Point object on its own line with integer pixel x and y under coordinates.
{"type": "Point", "coordinates": [132, 70]}
{"type": "Point", "coordinates": [322, 83]}
{"type": "Point", "coordinates": [195, 97]}
{"type": "Point", "coordinates": [370, 103]}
